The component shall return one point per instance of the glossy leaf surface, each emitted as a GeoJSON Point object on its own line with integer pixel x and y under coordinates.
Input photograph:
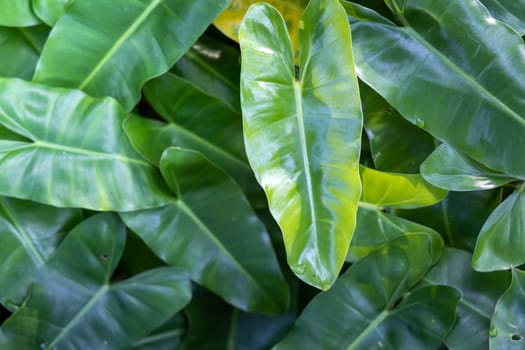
{"type": "Point", "coordinates": [508, 322]}
{"type": "Point", "coordinates": [17, 13]}
{"type": "Point", "coordinates": [363, 310]}
{"type": "Point", "coordinates": [303, 136]}
{"type": "Point", "coordinates": [395, 190]}
{"type": "Point", "coordinates": [97, 314]}
{"type": "Point", "coordinates": [501, 242]}
{"type": "Point", "coordinates": [511, 12]}
{"type": "Point", "coordinates": [94, 167]}
{"type": "Point", "coordinates": [479, 294]}
{"type": "Point", "coordinates": [447, 168]}
{"type": "Point", "coordinates": [30, 233]}
{"type": "Point", "coordinates": [462, 74]}
{"type": "Point", "coordinates": [212, 232]}
{"type": "Point", "coordinates": [49, 11]}
{"type": "Point", "coordinates": [111, 48]}
{"type": "Point", "coordinates": [20, 49]}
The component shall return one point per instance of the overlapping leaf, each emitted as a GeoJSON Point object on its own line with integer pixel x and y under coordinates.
{"type": "Point", "coordinates": [372, 306]}
{"type": "Point", "coordinates": [111, 48]}
{"type": "Point", "coordinates": [29, 233]}
{"type": "Point", "coordinates": [447, 168]}
{"type": "Point", "coordinates": [49, 11]}
{"type": "Point", "coordinates": [511, 12]}
{"type": "Point", "coordinates": [479, 294]}
{"type": "Point", "coordinates": [97, 314]}
{"type": "Point", "coordinates": [17, 13]}
{"type": "Point", "coordinates": [20, 49]}
{"type": "Point", "coordinates": [211, 231]}
{"type": "Point", "coordinates": [303, 135]}
{"type": "Point", "coordinates": [455, 71]}
{"type": "Point", "coordinates": [72, 151]}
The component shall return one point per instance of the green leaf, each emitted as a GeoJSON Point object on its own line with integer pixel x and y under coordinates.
{"type": "Point", "coordinates": [212, 232]}
{"type": "Point", "coordinates": [111, 48]}
{"type": "Point", "coordinates": [17, 13]}
{"type": "Point", "coordinates": [401, 191]}
{"type": "Point", "coordinates": [501, 242]}
{"type": "Point", "coordinates": [368, 13]}
{"type": "Point", "coordinates": [372, 306]}
{"type": "Point", "coordinates": [510, 12]}
{"type": "Point", "coordinates": [30, 233]}
{"type": "Point", "coordinates": [75, 153]}
{"type": "Point", "coordinates": [214, 325]}
{"type": "Point", "coordinates": [303, 136]}
{"type": "Point", "coordinates": [447, 168]}
{"type": "Point", "coordinates": [167, 337]}
{"type": "Point", "coordinates": [214, 67]}
{"type": "Point", "coordinates": [453, 70]}
{"type": "Point", "coordinates": [97, 314]}
{"type": "Point", "coordinates": [49, 11]}
{"type": "Point", "coordinates": [508, 322]}
{"type": "Point", "coordinates": [375, 228]}
{"type": "Point", "coordinates": [20, 49]}
{"type": "Point", "coordinates": [383, 125]}
{"type": "Point", "coordinates": [479, 294]}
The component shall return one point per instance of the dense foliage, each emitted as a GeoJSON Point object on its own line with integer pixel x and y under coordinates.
{"type": "Point", "coordinates": [215, 174]}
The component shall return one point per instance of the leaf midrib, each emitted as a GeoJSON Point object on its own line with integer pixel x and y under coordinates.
{"type": "Point", "coordinates": [109, 54]}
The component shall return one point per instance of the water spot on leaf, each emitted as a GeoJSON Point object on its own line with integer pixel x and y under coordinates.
{"type": "Point", "coordinates": [104, 256]}
{"type": "Point", "coordinates": [516, 337]}
{"type": "Point", "coordinates": [420, 123]}
{"type": "Point", "coordinates": [493, 332]}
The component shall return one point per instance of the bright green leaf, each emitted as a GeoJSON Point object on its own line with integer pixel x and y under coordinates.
{"type": "Point", "coordinates": [30, 233]}
{"type": "Point", "coordinates": [401, 191]}
{"type": "Point", "coordinates": [453, 70]}
{"type": "Point", "coordinates": [17, 13]}
{"type": "Point", "coordinates": [50, 11]}
{"type": "Point", "coordinates": [212, 232]}
{"type": "Point", "coordinates": [372, 306]}
{"type": "Point", "coordinates": [508, 322]}
{"type": "Point", "coordinates": [73, 305]}
{"type": "Point", "coordinates": [20, 49]}
{"type": "Point", "coordinates": [447, 168]}
{"type": "Point", "coordinates": [111, 48]}
{"type": "Point", "coordinates": [501, 242]}
{"type": "Point", "coordinates": [303, 136]}
{"type": "Point", "coordinates": [479, 294]}
{"type": "Point", "coordinates": [75, 153]}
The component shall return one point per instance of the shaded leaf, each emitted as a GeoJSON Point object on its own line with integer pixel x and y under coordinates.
{"type": "Point", "coordinates": [17, 13]}
{"type": "Point", "coordinates": [501, 241]}
{"type": "Point", "coordinates": [395, 190]}
{"type": "Point", "coordinates": [462, 75]}
{"type": "Point", "coordinates": [111, 48]}
{"type": "Point", "coordinates": [212, 232]}
{"type": "Point", "coordinates": [30, 233]}
{"type": "Point", "coordinates": [75, 153]}
{"type": "Point", "coordinates": [508, 323]}
{"type": "Point", "coordinates": [372, 305]}
{"type": "Point", "coordinates": [20, 49]}
{"type": "Point", "coordinates": [167, 337]}
{"type": "Point", "coordinates": [479, 294]}
{"type": "Point", "coordinates": [303, 136]}
{"type": "Point", "coordinates": [368, 12]}
{"type": "Point", "coordinates": [447, 168]}
{"type": "Point", "coordinates": [511, 12]}
{"type": "Point", "coordinates": [97, 314]}
{"type": "Point", "coordinates": [49, 11]}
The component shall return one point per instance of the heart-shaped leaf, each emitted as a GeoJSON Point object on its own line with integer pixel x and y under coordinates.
{"type": "Point", "coordinates": [74, 152]}
{"type": "Point", "coordinates": [303, 135]}
{"type": "Point", "coordinates": [111, 48]}
{"type": "Point", "coordinates": [212, 232]}
{"type": "Point", "coordinates": [97, 314]}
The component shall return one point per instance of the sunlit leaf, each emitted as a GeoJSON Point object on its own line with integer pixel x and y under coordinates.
{"type": "Point", "coordinates": [17, 13]}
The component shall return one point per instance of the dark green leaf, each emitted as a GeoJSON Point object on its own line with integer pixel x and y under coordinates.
{"type": "Point", "coordinates": [371, 306]}
{"type": "Point", "coordinates": [508, 323]}
{"type": "Point", "coordinates": [20, 49]}
{"type": "Point", "coordinates": [303, 136]}
{"type": "Point", "coordinates": [111, 48]}
{"type": "Point", "coordinates": [455, 71]}
{"type": "Point", "coordinates": [447, 168]}
{"type": "Point", "coordinates": [479, 294]}
{"type": "Point", "coordinates": [501, 242]}
{"type": "Point", "coordinates": [75, 153]}
{"type": "Point", "coordinates": [167, 337]}
{"type": "Point", "coordinates": [29, 233]}
{"type": "Point", "coordinates": [212, 232]}
{"type": "Point", "coordinates": [74, 306]}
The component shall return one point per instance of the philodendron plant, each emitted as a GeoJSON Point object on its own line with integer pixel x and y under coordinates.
{"type": "Point", "coordinates": [242, 175]}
